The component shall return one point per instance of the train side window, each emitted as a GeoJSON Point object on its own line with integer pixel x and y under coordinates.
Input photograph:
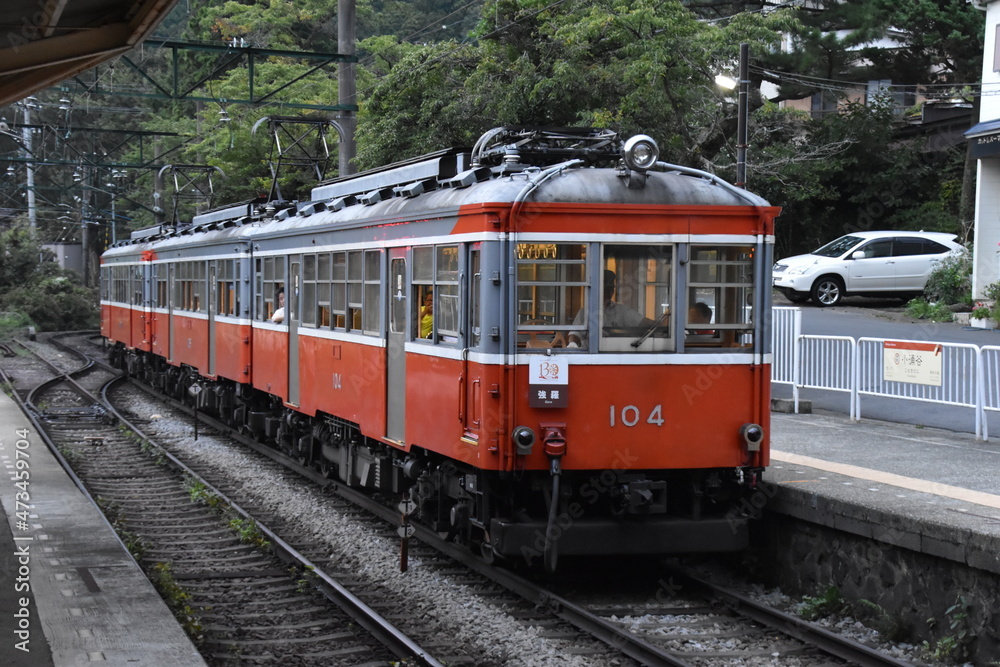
{"type": "Point", "coordinates": [308, 303]}
{"type": "Point", "coordinates": [160, 277]}
{"type": "Point", "coordinates": [475, 297]}
{"type": "Point", "coordinates": [397, 299]}
{"type": "Point", "coordinates": [137, 285]}
{"type": "Point", "coordinates": [423, 292]}
{"type": "Point", "coordinates": [323, 287]}
{"type": "Point", "coordinates": [270, 278]}
{"type": "Point", "coordinates": [355, 289]}
{"type": "Point", "coordinates": [373, 293]}
{"type": "Point", "coordinates": [198, 278]}
{"type": "Point", "coordinates": [552, 289]}
{"type": "Point", "coordinates": [435, 286]}
{"type": "Point", "coordinates": [226, 288]}
{"type": "Point", "coordinates": [446, 314]}
{"type": "Point", "coordinates": [720, 293]}
{"type": "Point", "coordinates": [339, 288]}
{"type": "Point", "coordinates": [181, 293]}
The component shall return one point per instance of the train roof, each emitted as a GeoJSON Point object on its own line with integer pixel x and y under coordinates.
{"type": "Point", "coordinates": [507, 165]}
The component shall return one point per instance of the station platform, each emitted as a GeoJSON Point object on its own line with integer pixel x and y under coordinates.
{"type": "Point", "coordinates": [930, 490]}
{"type": "Point", "coordinates": [70, 593]}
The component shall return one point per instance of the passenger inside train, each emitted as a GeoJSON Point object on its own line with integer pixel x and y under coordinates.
{"type": "Point", "coordinates": [279, 314]}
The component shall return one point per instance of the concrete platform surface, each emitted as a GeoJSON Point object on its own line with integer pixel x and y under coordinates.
{"type": "Point", "coordinates": [931, 490]}
{"type": "Point", "coordinates": [70, 593]}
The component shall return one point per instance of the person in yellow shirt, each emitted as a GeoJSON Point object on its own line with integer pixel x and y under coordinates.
{"type": "Point", "coordinates": [427, 315]}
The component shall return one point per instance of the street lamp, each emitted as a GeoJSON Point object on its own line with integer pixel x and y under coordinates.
{"type": "Point", "coordinates": [742, 110]}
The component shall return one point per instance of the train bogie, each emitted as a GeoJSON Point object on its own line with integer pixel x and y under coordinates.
{"type": "Point", "coordinates": [549, 359]}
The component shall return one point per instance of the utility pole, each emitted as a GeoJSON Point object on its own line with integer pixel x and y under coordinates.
{"type": "Point", "coordinates": [29, 154]}
{"type": "Point", "coordinates": [346, 83]}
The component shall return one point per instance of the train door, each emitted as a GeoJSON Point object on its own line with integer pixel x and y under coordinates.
{"type": "Point", "coordinates": [472, 297]}
{"type": "Point", "coordinates": [146, 294]}
{"type": "Point", "coordinates": [292, 319]}
{"type": "Point", "coordinates": [171, 298]}
{"type": "Point", "coordinates": [213, 310]}
{"type": "Point", "coordinates": [395, 386]}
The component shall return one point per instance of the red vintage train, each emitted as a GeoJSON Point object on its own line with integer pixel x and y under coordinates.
{"type": "Point", "coordinates": [555, 342]}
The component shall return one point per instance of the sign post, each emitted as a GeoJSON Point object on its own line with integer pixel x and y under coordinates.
{"type": "Point", "coordinates": [194, 390]}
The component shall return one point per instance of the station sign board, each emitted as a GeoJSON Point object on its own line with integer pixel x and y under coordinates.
{"type": "Point", "coordinates": [917, 363]}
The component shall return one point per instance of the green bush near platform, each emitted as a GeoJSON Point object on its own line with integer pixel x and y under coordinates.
{"type": "Point", "coordinates": [951, 281]}
{"type": "Point", "coordinates": [921, 309]}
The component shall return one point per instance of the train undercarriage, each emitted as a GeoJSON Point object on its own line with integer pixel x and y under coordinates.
{"type": "Point", "coordinates": [509, 515]}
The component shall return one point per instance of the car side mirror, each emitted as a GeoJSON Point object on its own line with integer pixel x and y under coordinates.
{"type": "Point", "coordinates": [858, 254]}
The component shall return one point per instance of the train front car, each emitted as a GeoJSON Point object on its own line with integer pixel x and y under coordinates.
{"type": "Point", "coordinates": [555, 344]}
{"type": "Point", "coordinates": [640, 399]}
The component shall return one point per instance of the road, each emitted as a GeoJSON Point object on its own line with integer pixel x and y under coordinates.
{"type": "Point", "coordinates": [885, 318]}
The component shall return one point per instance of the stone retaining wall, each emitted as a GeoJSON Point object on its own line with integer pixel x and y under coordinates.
{"type": "Point", "coordinates": [912, 572]}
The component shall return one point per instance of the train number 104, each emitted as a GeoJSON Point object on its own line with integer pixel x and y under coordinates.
{"type": "Point", "coordinates": [630, 415]}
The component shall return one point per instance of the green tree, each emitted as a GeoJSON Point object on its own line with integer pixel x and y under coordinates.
{"type": "Point", "coordinates": [33, 285]}
{"type": "Point", "coordinates": [620, 64]}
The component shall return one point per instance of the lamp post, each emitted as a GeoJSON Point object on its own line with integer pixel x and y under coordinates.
{"type": "Point", "coordinates": [742, 87]}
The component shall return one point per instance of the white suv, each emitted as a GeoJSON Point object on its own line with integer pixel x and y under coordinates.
{"type": "Point", "coordinates": [865, 264]}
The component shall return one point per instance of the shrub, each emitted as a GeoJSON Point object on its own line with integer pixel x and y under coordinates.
{"type": "Point", "coordinates": [951, 280]}
{"type": "Point", "coordinates": [13, 324]}
{"type": "Point", "coordinates": [56, 303]}
{"type": "Point", "coordinates": [923, 310]}
{"type": "Point", "coordinates": [992, 293]}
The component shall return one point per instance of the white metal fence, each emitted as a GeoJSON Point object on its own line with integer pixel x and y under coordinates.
{"type": "Point", "coordinates": [944, 373]}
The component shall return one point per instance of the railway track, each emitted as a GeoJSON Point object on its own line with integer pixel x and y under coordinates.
{"type": "Point", "coordinates": [698, 628]}
{"type": "Point", "coordinates": [219, 570]}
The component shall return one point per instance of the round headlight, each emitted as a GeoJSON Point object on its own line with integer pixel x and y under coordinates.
{"type": "Point", "coordinates": [640, 153]}
{"type": "Point", "coordinates": [524, 438]}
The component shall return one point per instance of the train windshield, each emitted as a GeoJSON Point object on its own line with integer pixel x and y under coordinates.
{"type": "Point", "coordinates": [625, 306]}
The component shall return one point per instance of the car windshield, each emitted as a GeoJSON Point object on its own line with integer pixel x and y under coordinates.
{"type": "Point", "coordinates": [838, 247]}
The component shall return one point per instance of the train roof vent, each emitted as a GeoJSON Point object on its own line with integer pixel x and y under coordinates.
{"type": "Point", "coordinates": [415, 188]}
{"type": "Point", "coordinates": [375, 196]}
{"type": "Point", "coordinates": [341, 202]}
{"type": "Point", "coordinates": [309, 208]}
{"type": "Point", "coordinates": [468, 177]}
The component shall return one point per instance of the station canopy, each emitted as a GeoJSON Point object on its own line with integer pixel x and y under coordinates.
{"type": "Point", "coordinates": [43, 42]}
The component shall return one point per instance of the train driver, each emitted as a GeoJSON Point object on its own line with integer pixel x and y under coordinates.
{"type": "Point", "coordinates": [279, 314]}
{"type": "Point", "coordinates": [700, 313]}
{"type": "Point", "coordinates": [616, 315]}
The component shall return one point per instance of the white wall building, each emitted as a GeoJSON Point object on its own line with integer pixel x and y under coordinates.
{"type": "Point", "coordinates": [985, 145]}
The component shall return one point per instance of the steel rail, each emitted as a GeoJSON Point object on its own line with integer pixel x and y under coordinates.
{"type": "Point", "coordinates": [373, 622]}
{"type": "Point", "coordinates": [377, 626]}
{"type": "Point", "coordinates": [619, 639]}
{"type": "Point", "coordinates": [831, 643]}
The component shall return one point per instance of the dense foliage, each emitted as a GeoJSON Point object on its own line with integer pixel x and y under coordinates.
{"type": "Point", "coordinates": [437, 73]}
{"type": "Point", "coordinates": [34, 290]}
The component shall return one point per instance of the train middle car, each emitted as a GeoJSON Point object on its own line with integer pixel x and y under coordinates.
{"type": "Point", "coordinates": [555, 344]}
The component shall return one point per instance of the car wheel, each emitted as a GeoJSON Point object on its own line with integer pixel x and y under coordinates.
{"type": "Point", "coordinates": [795, 297]}
{"type": "Point", "coordinates": [827, 291]}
